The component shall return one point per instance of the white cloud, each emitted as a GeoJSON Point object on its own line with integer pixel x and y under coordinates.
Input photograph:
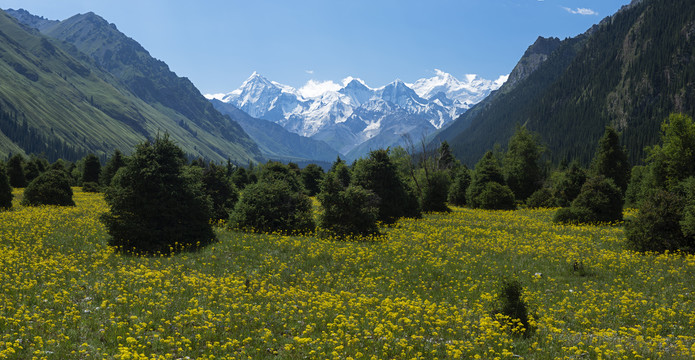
{"type": "Point", "coordinates": [580, 11]}
{"type": "Point", "coordinates": [310, 72]}
{"type": "Point", "coordinates": [315, 88]}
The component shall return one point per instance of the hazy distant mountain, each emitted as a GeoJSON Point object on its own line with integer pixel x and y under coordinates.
{"type": "Point", "coordinates": [277, 143]}
{"type": "Point", "coordinates": [629, 71]}
{"type": "Point", "coordinates": [356, 118]}
{"type": "Point", "coordinates": [107, 92]}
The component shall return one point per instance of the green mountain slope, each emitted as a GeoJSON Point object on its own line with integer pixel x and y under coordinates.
{"type": "Point", "coordinates": [275, 142]}
{"type": "Point", "coordinates": [630, 71]}
{"type": "Point", "coordinates": [56, 100]}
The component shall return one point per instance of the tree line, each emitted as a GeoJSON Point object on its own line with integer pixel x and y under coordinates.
{"type": "Point", "coordinates": [162, 202]}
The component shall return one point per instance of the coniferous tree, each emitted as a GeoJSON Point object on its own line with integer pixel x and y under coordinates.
{"type": "Point", "coordinates": [15, 171]}
{"type": "Point", "coordinates": [109, 170]}
{"type": "Point", "coordinates": [274, 170]}
{"type": "Point", "coordinates": [342, 171]}
{"type": "Point", "coordinates": [435, 191]}
{"type": "Point", "coordinates": [240, 178]}
{"type": "Point", "coordinates": [155, 206]}
{"type": "Point", "coordinates": [569, 184]}
{"type": "Point", "coordinates": [458, 188]}
{"type": "Point", "coordinates": [674, 160]}
{"type": "Point", "coordinates": [5, 189]}
{"type": "Point", "coordinates": [312, 176]}
{"type": "Point", "coordinates": [92, 169]}
{"type": "Point", "coordinates": [488, 189]}
{"type": "Point", "coordinates": [445, 159]}
{"type": "Point", "coordinates": [522, 171]}
{"type": "Point", "coordinates": [599, 201]}
{"type": "Point", "coordinates": [379, 175]}
{"type": "Point", "coordinates": [221, 191]}
{"type": "Point", "coordinates": [610, 160]}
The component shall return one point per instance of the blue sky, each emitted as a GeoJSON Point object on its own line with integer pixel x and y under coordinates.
{"type": "Point", "coordinates": [219, 43]}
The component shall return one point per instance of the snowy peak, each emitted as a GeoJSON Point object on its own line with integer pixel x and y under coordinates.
{"type": "Point", "coordinates": [352, 117]}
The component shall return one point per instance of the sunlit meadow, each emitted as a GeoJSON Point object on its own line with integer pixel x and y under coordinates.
{"type": "Point", "coordinates": [425, 290]}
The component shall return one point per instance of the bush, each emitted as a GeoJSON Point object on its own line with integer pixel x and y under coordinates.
{"type": "Point", "coordinates": [90, 187]}
{"type": "Point", "coordinates": [5, 190]}
{"type": "Point", "coordinates": [109, 170]}
{"type": "Point", "coordinates": [272, 206]}
{"type": "Point", "coordinates": [496, 196]}
{"type": "Point", "coordinates": [312, 175]}
{"type": "Point", "coordinates": [157, 207]}
{"type": "Point", "coordinates": [657, 225]}
{"type": "Point", "coordinates": [435, 192]}
{"type": "Point", "coordinates": [600, 201]}
{"type": "Point", "coordinates": [350, 211]}
{"type": "Point", "coordinates": [50, 188]}
{"type": "Point", "coordinates": [569, 185]}
{"type": "Point", "coordinates": [274, 171]}
{"type": "Point", "coordinates": [457, 190]}
{"type": "Point", "coordinates": [511, 304]}
{"type": "Point", "coordinates": [541, 198]}
{"type": "Point", "coordinates": [688, 222]}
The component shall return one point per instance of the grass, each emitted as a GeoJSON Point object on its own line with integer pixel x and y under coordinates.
{"type": "Point", "coordinates": [425, 290]}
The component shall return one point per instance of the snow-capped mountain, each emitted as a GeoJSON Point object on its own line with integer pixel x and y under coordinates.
{"type": "Point", "coordinates": [353, 117]}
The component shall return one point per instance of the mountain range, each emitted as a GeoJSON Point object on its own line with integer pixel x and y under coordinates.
{"type": "Point", "coordinates": [354, 118]}
{"type": "Point", "coordinates": [79, 85]}
{"type": "Point", "coordinates": [629, 71]}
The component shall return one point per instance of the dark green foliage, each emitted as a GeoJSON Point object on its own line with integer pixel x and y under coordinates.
{"type": "Point", "coordinates": [271, 206]}
{"type": "Point", "coordinates": [50, 188]}
{"type": "Point", "coordinates": [635, 188]}
{"type": "Point", "coordinates": [90, 187]}
{"type": "Point", "coordinates": [510, 303]}
{"type": "Point", "coordinates": [610, 160]}
{"type": "Point", "coordinates": [487, 189]}
{"type": "Point", "coordinates": [221, 191]}
{"type": "Point", "coordinates": [569, 184]}
{"type": "Point", "coordinates": [435, 192]}
{"type": "Point", "coordinates": [542, 198]}
{"type": "Point", "coordinates": [495, 196]}
{"type": "Point", "coordinates": [657, 225]}
{"type": "Point", "coordinates": [274, 170]}
{"type": "Point", "coordinates": [34, 167]}
{"type": "Point", "coordinates": [15, 171]}
{"type": "Point", "coordinates": [674, 160]}
{"type": "Point", "coordinates": [5, 189]}
{"type": "Point", "coordinates": [458, 188]}
{"type": "Point", "coordinates": [378, 175]}
{"type": "Point", "coordinates": [156, 206]}
{"type": "Point", "coordinates": [350, 211]}
{"type": "Point", "coordinates": [240, 178]}
{"type": "Point", "coordinates": [445, 159]}
{"type": "Point", "coordinates": [92, 169]}
{"type": "Point", "coordinates": [600, 201]}
{"type": "Point", "coordinates": [342, 171]}
{"type": "Point", "coordinates": [109, 170]}
{"type": "Point", "coordinates": [522, 171]}
{"type": "Point", "coordinates": [312, 175]}
{"type": "Point", "coordinates": [688, 222]}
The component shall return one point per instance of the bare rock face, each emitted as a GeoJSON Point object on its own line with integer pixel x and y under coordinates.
{"type": "Point", "coordinates": [534, 56]}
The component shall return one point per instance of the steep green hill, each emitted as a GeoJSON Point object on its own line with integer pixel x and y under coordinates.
{"type": "Point", "coordinates": [630, 71]}
{"type": "Point", "coordinates": [56, 100]}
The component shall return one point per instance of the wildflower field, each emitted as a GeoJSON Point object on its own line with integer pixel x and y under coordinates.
{"type": "Point", "coordinates": [425, 290]}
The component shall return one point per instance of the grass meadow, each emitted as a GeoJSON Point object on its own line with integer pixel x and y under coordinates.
{"type": "Point", "coordinates": [424, 290]}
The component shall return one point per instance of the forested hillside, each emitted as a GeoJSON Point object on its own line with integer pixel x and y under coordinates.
{"type": "Point", "coordinates": [630, 71]}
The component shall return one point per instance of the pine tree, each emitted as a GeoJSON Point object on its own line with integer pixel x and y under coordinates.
{"type": "Point", "coordinates": [50, 188]}
{"type": "Point", "coordinates": [379, 175]}
{"type": "Point", "coordinates": [221, 191]}
{"type": "Point", "coordinates": [5, 189]}
{"type": "Point", "coordinates": [610, 160]}
{"type": "Point", "coordinates": [457, 190]}
{"type": "Point", "coordinates": [15, 171]}
{"type": "Point", "coordinates": [350, 211]}
{"type": "Point", "coordinates": [312, 175]}
{"type": "Point", "coordinates": [109, 170]}
{"type": "Point", "coordinates": [155, 207]}
{"type": "Point", "coordinates": [522, 171]}
{"type": "Point", "coordinates": [92, 169]}
{"type": "Point", "coordinates": [488, 189]}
